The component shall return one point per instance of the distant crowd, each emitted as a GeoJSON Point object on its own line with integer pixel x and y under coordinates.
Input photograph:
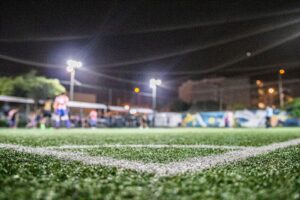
{"type": "Point", "coordinates": [55, 113]}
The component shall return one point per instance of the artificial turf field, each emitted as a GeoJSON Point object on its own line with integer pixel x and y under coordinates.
{"type": "Point", "coordinates": [150, 164]}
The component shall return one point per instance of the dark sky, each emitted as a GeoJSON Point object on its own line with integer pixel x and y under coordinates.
{"type": "Point", "coordinates": [136, 40]}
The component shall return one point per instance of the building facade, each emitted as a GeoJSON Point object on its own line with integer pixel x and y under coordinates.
{"type": "Point", "coordinates": [225, 92]}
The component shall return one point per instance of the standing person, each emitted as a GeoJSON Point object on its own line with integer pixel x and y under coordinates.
{"type": "Point", "coordinates": [144, 121]}
{"type": "Point", "coordinates": [61, 112]}
{"type": "Point", "coordinates": [13, 116]}
{"type": "Point", "coordinates": [47, 111]}
{"type": "Point", "coordinates": [226, 120]}
{"type": "Point", "coordinates": [31, 120]}
{"type": "Point", "coordinates": [269, 114]}
{"type": "Point", "coordinates": [229, 119]}
{"type": "Point", "coordinates": [93, 117]}
{"type": "Point", "coordinates": [5, 109]}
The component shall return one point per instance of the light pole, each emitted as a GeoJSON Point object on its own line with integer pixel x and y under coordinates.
{"type": "Point", "coordinates": [137, 90]}
{"type": "Point", "coordinates": [153, 85]}
{"type": "Point", "coordinates": [72, 65]}
{"type": "Point", "coordinates": [280, 87]}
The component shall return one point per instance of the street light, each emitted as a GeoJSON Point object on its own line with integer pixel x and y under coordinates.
{"type": "Point", "coordinates": [281, 72]}
{"type": "Point", "coordinates": [72, 65]}
{"type": "Point", "coordinates": [137, 90]}
{"type": "Point", "coordinates": [153, 85]}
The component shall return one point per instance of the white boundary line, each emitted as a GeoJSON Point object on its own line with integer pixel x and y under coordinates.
{"type": "Point", "coordinates": [86, 159]}
{"type": "Point", "coordinates": [154, 146]}
{"type": "Point", "coordinates": [190, 165]}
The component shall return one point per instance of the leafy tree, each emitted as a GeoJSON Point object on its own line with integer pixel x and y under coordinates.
{"type": "Point", "coordinates": [31, 86]}
{"type": "Point", "coordinates": [294, 108]}
{"type": "Point", "coordinates": [6, 85]}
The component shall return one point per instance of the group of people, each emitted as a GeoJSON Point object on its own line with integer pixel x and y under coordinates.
{"type": "Point", "coordinates": [55, 113]}
{"type": "Point", "coordinates": [43, 117]}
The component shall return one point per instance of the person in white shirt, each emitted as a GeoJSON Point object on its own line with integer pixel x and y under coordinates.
{"type": "Point", "coordinates": [269, 114]}
{"type": "Point", "coordinates": [60, 108]}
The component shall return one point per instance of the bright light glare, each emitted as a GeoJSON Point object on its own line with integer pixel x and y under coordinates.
{"type": "Point", "coordinates": [155, 82]}
{"type": "Point", "coordinates": [271, 90]}
{"type": "Point", "coordinates": [259, 83]}
{"type": "Point", "coordinates": [126, 107]}
{"type": "Point", "coordinates": [74, 63]}
{"type": "Point", "coordinates": [158, 82]}
{"type": "Point", "coordinates": [261, 105]}
{"type": "Point", "coordinates": [133, 111]}
{"type": "Point", "coordinates": [137, 90]}
{"type": "Point", "coordinates": [281, 71]}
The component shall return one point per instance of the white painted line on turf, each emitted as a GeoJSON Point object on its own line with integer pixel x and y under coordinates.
{"type": "Point", "coordinates": [190, 165]}
{"type": "Point", "coordinates": [181, 146]}
{"type": "Point", "coordinates": [201, 163]}
{"type": "Point", "coordinates": [86, 159]}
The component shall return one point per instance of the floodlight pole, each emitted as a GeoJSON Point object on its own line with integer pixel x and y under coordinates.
{"type": "Point", "coordinates": [154, 103]}
{"type": "Point", "coordinates": [153, 85]}
{"type": "Point", "coordinates": [72, 65]}
{"type": "Point", "coordinates": [154, 97]}
{"type": "Point", "coordinates": [110, 96]}
{"type": "Point", "coordinates": [72, 81]}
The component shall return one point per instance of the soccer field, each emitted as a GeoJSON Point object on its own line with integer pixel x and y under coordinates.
{"type": "Point", "coordinates": [150, 164]}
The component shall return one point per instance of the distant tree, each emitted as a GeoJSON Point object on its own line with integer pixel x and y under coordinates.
{"type": "Point", "coordinates": [6, 85]}
{"type": "Point", "coordinates": [31, 86]}
{"type": "Point", "coordinates": [294, 108]}
{"type": "Point", "coordinates": [179, 106]}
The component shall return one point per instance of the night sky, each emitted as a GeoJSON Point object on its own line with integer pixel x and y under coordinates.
{"type": "Point", "coordinates": [137, 40]}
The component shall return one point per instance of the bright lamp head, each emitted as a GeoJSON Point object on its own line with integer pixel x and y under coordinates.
{"type": "Point", "coordinates": [74, 63]}
{"type": "Point", "coordinates": [154, 82]}
{"type": "Point", "coordinates": [158, 82]}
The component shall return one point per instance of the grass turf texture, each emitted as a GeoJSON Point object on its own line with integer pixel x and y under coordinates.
{"type": "Point", "coordinates": [241, 137]}
{"type": "Point", "coordinates": [159, 155]}
{"type": "Point", "coordinates": [272, 176]}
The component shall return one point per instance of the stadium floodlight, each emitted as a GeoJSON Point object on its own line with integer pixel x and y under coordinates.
{"type": "Point", "coordinates": [72, 65]}
{"type": "Point", "coordinates": [153, 85]}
